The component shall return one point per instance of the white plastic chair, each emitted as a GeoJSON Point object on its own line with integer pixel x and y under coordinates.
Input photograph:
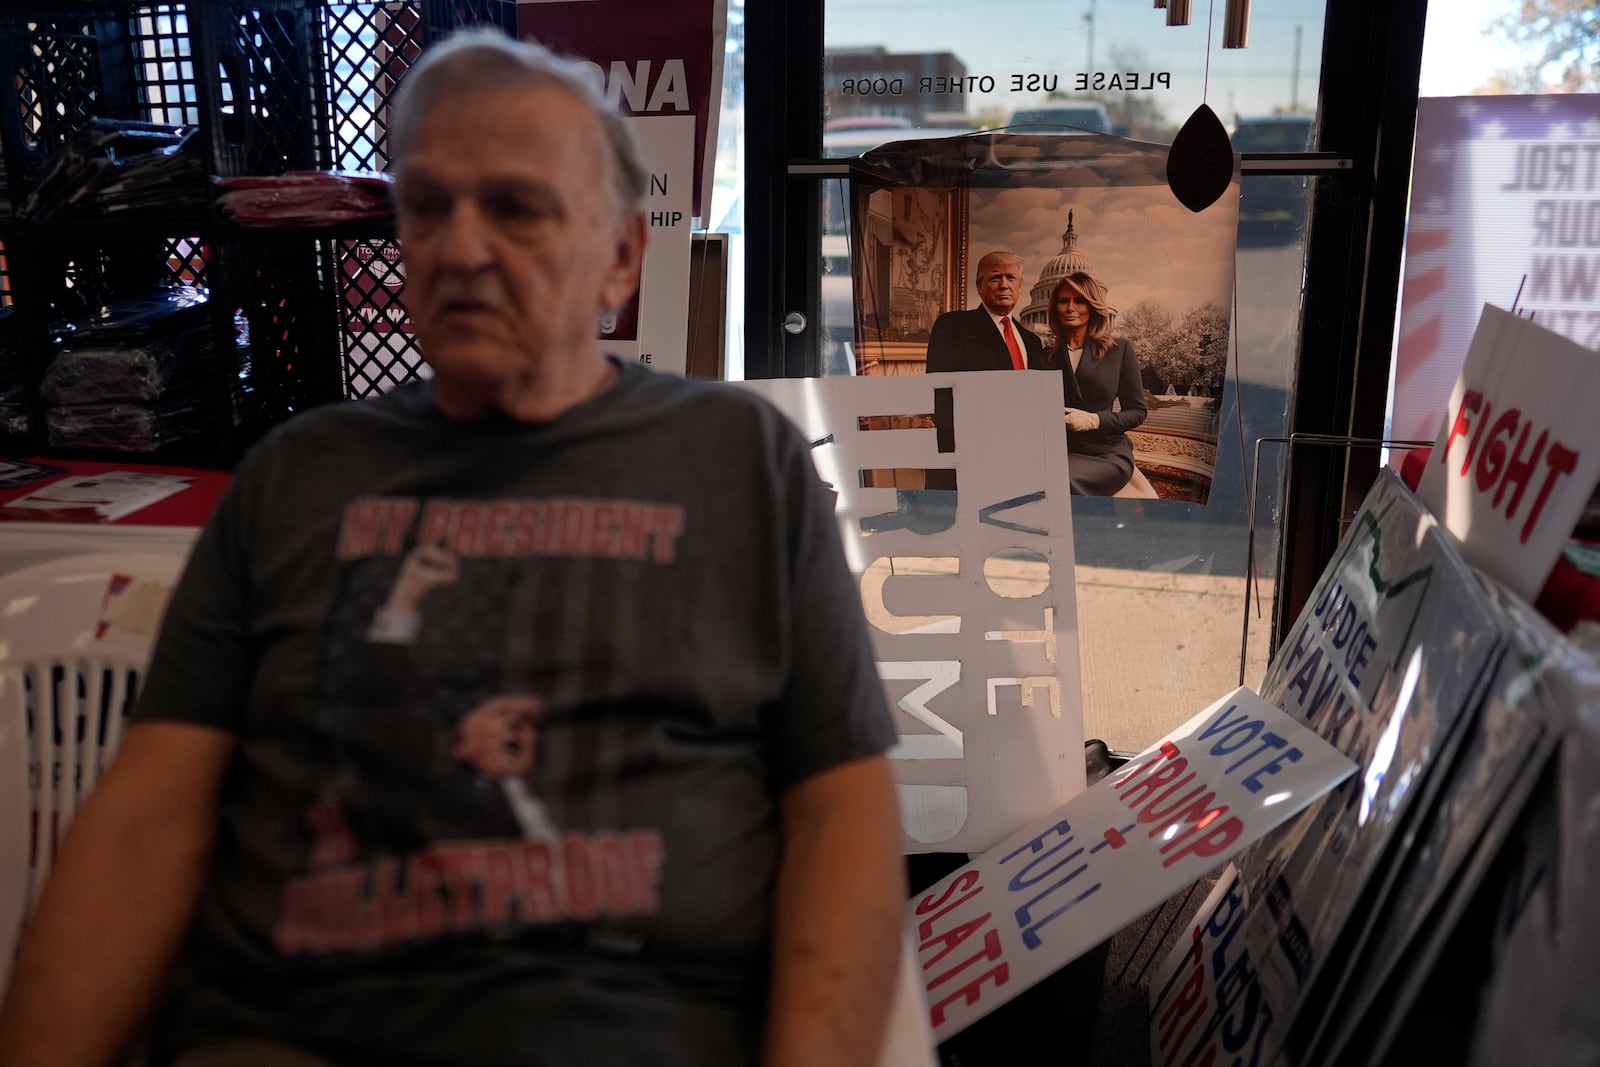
{"type": "Point", "coordinates": [75, 634]}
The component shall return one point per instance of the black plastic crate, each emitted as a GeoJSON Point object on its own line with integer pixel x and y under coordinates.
{"type": "Point", "coordinates": [446, 16]}
{"type": "Point", "coordinates": [368, 47]}
{"type": "Point", "coordinates": [166, 71]}
{"type": "Point", "coordinates": [62, 274]}
{"type": "Point", "coordinates": [59, 68]}
{"type": "Point", "coordinates": [277, 287]}
{"type": "Point", "coordinates": [271, 86]}
{"type": "Point", "coordinates": [263, 88]}
{"type": "Point", "coordinates": [377, 348]}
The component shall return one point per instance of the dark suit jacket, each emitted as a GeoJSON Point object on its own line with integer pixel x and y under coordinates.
{"type": "Point", "coordinates": [968, 340]}
{"type": "Point", "coordinates": [1114, 376]}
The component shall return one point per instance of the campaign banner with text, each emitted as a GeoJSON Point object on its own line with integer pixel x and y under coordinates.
{"type": "Point", "coordinates": [654, 57]}
{"type": "Point", "coordinates": [1070, 879]}
{"type": "Point", "coordinates": [1505, 209]}
{"type": "Point", "coordinates": [1518, 452]}
{"type": "Point", "coordinates": [969, 592]}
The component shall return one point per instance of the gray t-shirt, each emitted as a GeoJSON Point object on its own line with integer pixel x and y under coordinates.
{"type": "Point", "coordinates": [515, 703]}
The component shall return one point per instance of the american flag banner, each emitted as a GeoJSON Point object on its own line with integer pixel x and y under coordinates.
{"type": "Point", "coordinates": [1505, 210]}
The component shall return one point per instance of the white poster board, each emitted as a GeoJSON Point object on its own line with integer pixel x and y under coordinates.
{"type": "Point", "coordinates": [969, 592]}
{"type": "Point", "coordinates": [1067, 881]}
{"type": "Point", "coordinates": [655, 329]}
{"type": "Point", "coordinates": [1519, 450]}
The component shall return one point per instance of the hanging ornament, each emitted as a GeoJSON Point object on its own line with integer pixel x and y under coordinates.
{"type": "Point", "coordinates": [1177, 12]}
{"type": "Point", "coordinates": [1200, 161]}
{"type": "Point", "coordinates": [1236, 24]}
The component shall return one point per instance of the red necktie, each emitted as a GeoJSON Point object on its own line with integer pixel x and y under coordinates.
{"type": "Point", "coordinates": [1017, 360]}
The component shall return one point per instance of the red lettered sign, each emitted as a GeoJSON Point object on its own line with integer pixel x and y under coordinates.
{"type": "Point", "coordinates": [1518, 450]}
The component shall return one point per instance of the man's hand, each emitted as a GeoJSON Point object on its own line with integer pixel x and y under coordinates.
{"type": "Point", "coordinates": [837, 918]}
{"type": "Point", "coordinates": [426, 568]}
{"type": "Point", "coordinates": [1078, 419]}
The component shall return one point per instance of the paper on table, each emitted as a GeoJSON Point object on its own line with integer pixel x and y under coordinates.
{"type": "Point", "coordinates": [95, 497]}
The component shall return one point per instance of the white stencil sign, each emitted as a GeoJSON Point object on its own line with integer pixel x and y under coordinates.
{"type": "Point", "coordinates": [969, 591]}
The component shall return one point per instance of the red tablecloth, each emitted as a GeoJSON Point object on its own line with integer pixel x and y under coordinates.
{"type": "Point", "coordinates": [191, 507]}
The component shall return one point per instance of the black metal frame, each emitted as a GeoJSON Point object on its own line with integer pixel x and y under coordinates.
{"type": "Point", "coordinates": [1374, 50]}
{"type": "Point", "coordinates": [783, 122]}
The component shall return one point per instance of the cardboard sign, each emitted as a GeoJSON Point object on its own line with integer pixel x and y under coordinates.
{"type": "Point", "coordinates": [969, 592]}
{"type": "Point", "coordinates": [1388, 662]}
{"type": "Point", "coordinates": [653, 327]}
{"type": "Point", "coordinates": [654, 57]}
{"type": "Point", "coordinates": [1069, 880]}
{"type": "Point", "coordinates": [1195, 993]}
{"type": "Point", "coordinates": [1488, 785]}
{"type": "Point", "coordinates": [1519, 450]}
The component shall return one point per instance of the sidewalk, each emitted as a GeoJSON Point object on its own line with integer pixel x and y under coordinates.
{"type": "Point", "coordinates": [1156, 648]}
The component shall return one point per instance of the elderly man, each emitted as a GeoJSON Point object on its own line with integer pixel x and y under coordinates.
{"type": "Point", "coordinates": [300, 829]}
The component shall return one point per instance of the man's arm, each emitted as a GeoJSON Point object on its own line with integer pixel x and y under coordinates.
{"type": "Point", "coordinates": [118, 903]}
{"type": "Point", "coordinates": [838, 917]}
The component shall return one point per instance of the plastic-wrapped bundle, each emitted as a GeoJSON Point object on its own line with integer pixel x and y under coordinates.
{"type": "Point", "coordinates": [13, 392]}
{"type": "Point", "coordinates": [13, 410]}
{"type": "Point", "coordinates": [306, 198]}
{"type": "Point", "coordinates": [134, 375]}
{"type": "Point", "coordinates": [118, 165]}
{"type": "Point", "coordinates": [99, 375]}
{"type": "Point", "coordinates": [125, 427]}
{"type": "Point", "coordinates": [160, 311]}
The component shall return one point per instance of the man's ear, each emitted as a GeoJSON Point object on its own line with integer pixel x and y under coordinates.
{"type": "Point", "coordinates": [622, 280]}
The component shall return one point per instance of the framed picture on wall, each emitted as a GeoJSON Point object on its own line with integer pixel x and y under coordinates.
{"type": "Point", "coordinates": [911, 257]}
{"type": "Point", "coordinates": [1142, 373]}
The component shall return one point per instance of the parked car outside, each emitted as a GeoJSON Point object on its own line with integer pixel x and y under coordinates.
{"type": "Point", "coordinates": [867, 122]}
{"type": "Point", "coordinates": [1081, 116]}
{"type": "Point", "coordinates": [1273, 208]}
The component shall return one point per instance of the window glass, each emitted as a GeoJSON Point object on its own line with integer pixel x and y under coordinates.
{"type": "Point", "coordinates": [1161, 583]}
{"type": "Point", "coordinates": [1509, 46]}
{"type": "Point", "coordinates": [1485, 48]}
{"type": "Point", "coordinates": [1053, 63]}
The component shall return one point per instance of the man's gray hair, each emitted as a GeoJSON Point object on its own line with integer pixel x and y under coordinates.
{"type": "Point", "coordinates": [488, 61]}
{"type": "Point", "coordinates": [998, 255]}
